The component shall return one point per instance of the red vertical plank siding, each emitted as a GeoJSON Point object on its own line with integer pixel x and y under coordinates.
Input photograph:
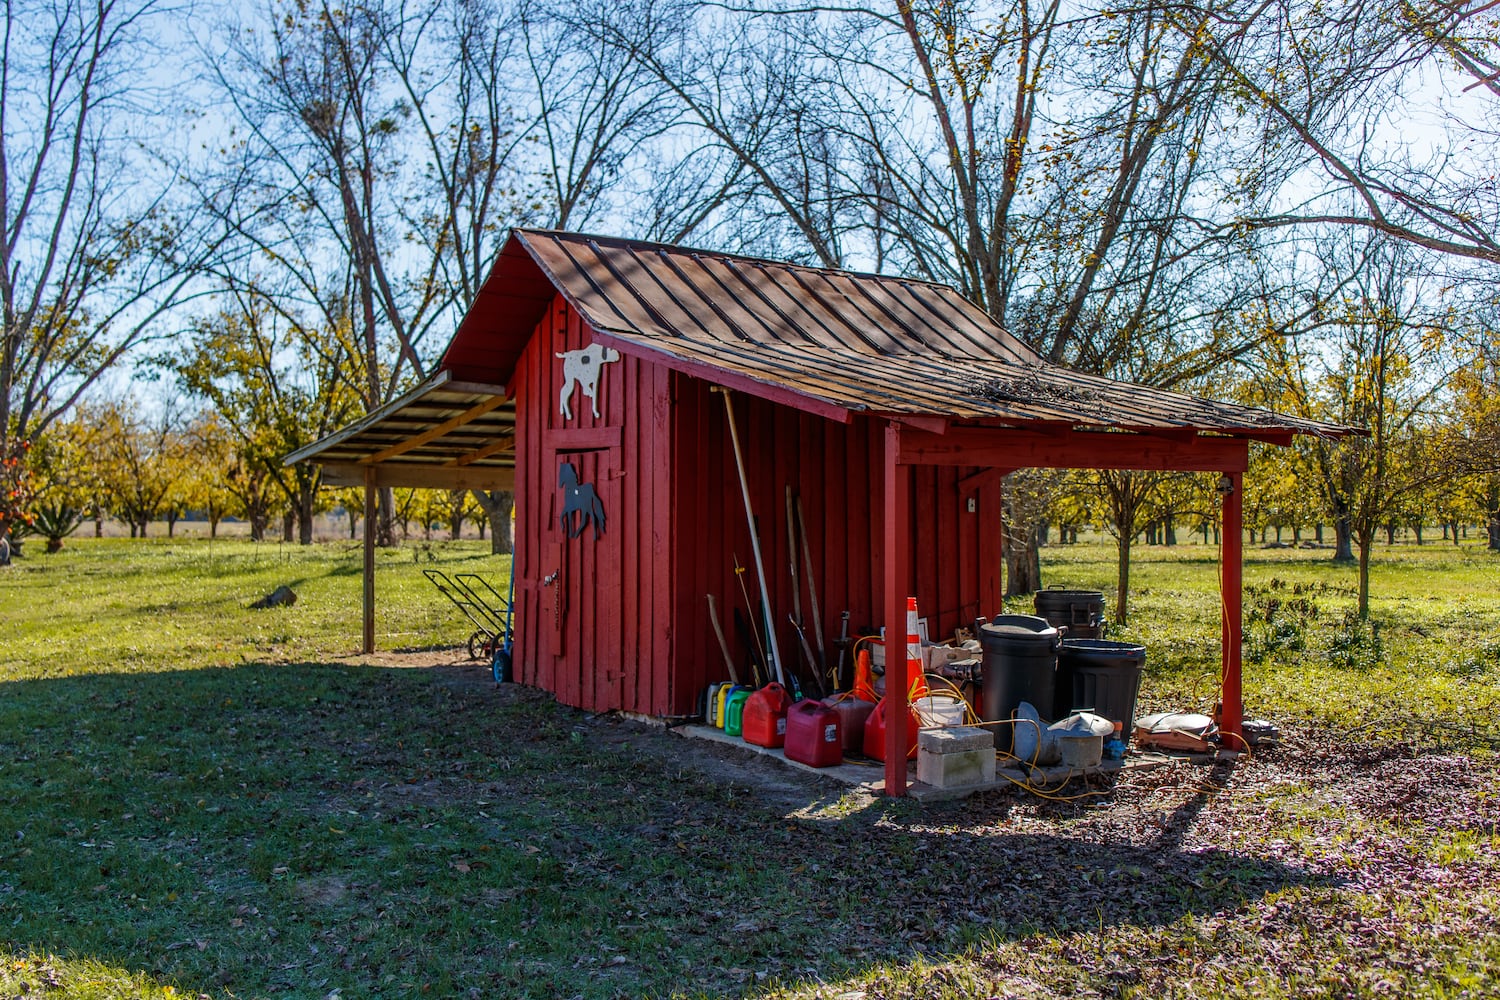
{"type": "Point", "coordinates": [635, 629]}
{"type": "Point", "coordinates": [630, 590]}
{"type": "Point", "coordinates": [658, 514]}
{"type": "Point", "coordinates": [992, 548]}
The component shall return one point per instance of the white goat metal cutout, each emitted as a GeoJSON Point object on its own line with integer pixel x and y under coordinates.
{"type": "Point", "coordinates": [581, 368]}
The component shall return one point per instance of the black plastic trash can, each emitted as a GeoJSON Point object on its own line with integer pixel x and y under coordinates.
{"type": "Point", "coordinates": [1101, 676]}
{"type": "Point", "coordinates": [1020, 664]}
{"type": "Point", "coordinates": [1081, 612]}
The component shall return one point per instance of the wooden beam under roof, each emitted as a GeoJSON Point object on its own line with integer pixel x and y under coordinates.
{"type": "Point", "coordinates": [469, 477]}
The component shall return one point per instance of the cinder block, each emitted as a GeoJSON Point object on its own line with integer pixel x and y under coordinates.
{"type": "Point", "coordinates": [956, 770]}
{"type": "Point", "coordinates": [956, 739]}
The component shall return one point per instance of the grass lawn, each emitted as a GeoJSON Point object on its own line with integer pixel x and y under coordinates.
{"type": "Point", "coordinates": [199, 799]}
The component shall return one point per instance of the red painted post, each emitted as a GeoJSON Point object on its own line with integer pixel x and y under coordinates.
{"type": "Point", "coordinates": [1231, 581]}
{"type": "Point", "coordinates": [897, 587]}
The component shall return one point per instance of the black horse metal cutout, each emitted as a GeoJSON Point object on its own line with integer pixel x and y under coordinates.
{"type": "Point", "coordinates": [581, 505]}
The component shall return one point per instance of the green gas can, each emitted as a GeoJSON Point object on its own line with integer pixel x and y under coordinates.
{"type": "Point", "coordinates": [734, 711]}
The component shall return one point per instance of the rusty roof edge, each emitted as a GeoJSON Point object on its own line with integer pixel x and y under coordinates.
{"type": "Point", "coordinates": [625, 243]}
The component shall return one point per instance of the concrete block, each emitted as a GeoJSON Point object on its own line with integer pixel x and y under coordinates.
{"type": "Point", "coordinates": [956, 770]}
{"type": "Point", "coordinates": [956, 739]}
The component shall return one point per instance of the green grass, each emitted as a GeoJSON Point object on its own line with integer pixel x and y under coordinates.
{"type": "Point", "coordinates": [196, 798]}
{"type": "Point", "coordinates": [1424, 669]}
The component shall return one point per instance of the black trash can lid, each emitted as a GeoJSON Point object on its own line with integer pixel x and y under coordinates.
{"type": "Point", "coordinates": [1104, 648]}
{"type": "Point", "coordinates": [1019, 628]}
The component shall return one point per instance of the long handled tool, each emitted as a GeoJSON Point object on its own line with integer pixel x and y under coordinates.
{"type": "Point", "coordinates": [791, 558]}
{"type": "Point", "coordinates": [750, 616]}
{"type": "Point", "coordinates": [713, 617]}
{"type": "Point", "coordinates": [760, 564]}
{"type": "Point", "coordinates": [812, 591]}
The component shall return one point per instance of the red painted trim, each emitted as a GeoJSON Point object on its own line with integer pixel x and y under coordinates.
{"type": "Point", "coordinates": [1232, 580]}
{"type": "Point", "coordinates": [1020, 449]}
{"type": "Point", "coordinates": [932, 425]}
{"type": "Point", "coordinates": [583, 438]}
{"type": "Point", "coordinates": [897, 583]}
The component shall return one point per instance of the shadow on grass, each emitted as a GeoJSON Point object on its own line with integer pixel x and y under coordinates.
{"type": "Point", "coordinates": [381, 831]}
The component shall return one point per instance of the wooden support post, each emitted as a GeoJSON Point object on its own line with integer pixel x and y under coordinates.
{"type": "Point", "coordinates": [367, 641]}
{"type": "Point", "coordinates": [897, 565]}
{"type": "Point", "coordinates": [1231, 582]}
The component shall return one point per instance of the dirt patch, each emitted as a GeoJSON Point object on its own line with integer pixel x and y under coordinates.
{"type": "Point", "coordinates": [322, 891]}
{"type": "Point", "coordinates": [739, 771]}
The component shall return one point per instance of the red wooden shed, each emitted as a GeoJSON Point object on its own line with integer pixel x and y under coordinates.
{"type": "Point", "coordinates": [592, 370]}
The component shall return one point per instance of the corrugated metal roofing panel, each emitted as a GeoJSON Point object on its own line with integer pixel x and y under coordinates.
{"type": "Point", "coordinates": [860, 342]}
{"type": "Point", "coordinates": [429, 406]}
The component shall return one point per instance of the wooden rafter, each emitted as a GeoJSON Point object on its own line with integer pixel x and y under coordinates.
{"type": "Point", "coordinates": [472, 413]}
{"type": "Point", "coordinates": [500, 444]}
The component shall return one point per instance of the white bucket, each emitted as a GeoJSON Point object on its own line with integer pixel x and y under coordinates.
{"type": "Point", "coordinates": [939, 710]}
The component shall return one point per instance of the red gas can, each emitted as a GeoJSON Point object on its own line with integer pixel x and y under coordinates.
{"type": "Point", "coordinates": [852, 715]}
{"type": "Point", "coordinates": [764, 718]}
{"type": "Point", "coordinates": [814, 734]}
{"type": "Point", "coordinates": [875, 732]}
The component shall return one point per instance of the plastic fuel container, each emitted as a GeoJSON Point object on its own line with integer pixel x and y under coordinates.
{"type": "Point", "coordinates": [764, 719]}
{"type": "Point", "coordinates": [814, 734]}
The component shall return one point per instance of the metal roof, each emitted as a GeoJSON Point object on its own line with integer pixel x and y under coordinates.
{"type": "Point", "coordinates": [846, 341]}
{"type": "Point", "coordinates": [829, 341]}
{"type": "Point", "coordinates": [444, 433]}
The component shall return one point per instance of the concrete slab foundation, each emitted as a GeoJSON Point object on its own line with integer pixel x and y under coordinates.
{"type": "Point", "coordinates": [869, 775]}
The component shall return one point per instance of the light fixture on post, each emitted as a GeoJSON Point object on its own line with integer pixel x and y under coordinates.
{"type": "Point", "coordinates": [1226, 485]}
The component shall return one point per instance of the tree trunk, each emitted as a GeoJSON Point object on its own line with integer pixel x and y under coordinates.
{"type": "Point", "coordinates": [1318, 532]}
{"type": "Point", "coordinates": [497, 506]}
{"type": "Point", "coordinates": [1023, 562]}
{"type": "Point", "coordinates": [353, 524]}
{"type": "Point", "coordinates": [98, 527]}
{"type": "Point", "coordinates": [456, 525]}
{"type": "Point", "coordinates": [1169, 530]}
{"type": "Point", "coordinates": [1343, 546]}
{"type": "Point", "coordinates": [385, 535]}
{"type": "Point", "coordinates": [306, 494]}
{"type": "Point", "coordinates": [288, 524]}
{"type": "Point", "coordinates": [1390, 534]}
{"type": "Point", "coordinates": [1494, 523]}
{"type": "Point", "coordinates": [1418, 530]}
{"type": "Point", "coordinates": [1365, 544]}
{"type": "Point", "coordinates": [1122, 596]}
{"type": "Point", "coordinates": [213, 526]}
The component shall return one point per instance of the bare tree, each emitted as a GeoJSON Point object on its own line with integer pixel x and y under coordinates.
{"type": "Point", "coordinates": [1330, 91]}
{"type": "Point", "coordinates": [88, 265]}
{"type": "Point", "coordinates": [1050, 162]}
